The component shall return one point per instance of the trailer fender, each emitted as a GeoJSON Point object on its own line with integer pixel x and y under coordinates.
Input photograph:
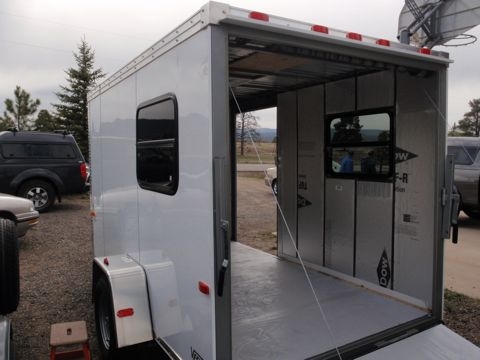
{"type": "Point", "coordinates": [130, 300]}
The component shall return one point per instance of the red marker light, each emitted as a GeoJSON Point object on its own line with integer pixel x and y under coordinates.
{"type": "Point", "coordinates": [125, 312]}
{"type": "Point", "coordinates": [354, 36]}
{"type": "Point", "coordinates": [425, 51]}
{"type": "Point", "coordinates": [320, 29]}
{"type": "Point", "coordinates": [382, 42]}
{"type": "Point", "coordinates": [83, 171]}
{"type": "Point", "coordinates": [105, 261]}
{"type": "Point", "coordinates": [203, 288]}
{"type": "Point", "coordinates": [258, 16]}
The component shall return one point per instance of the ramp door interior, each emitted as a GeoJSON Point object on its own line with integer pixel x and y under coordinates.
{"type": "Point", "coordinates": [275, 316]}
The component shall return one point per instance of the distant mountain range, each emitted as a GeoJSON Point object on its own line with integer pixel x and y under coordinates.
{"type": "Point", "coordinates": [266, 134]}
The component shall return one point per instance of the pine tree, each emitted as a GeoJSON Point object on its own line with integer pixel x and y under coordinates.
{"type": "Point", "coordinates": [46, 121]}
{"type": "Point", "coordinates": [470, 124]}
{"type": "Point", "coordinates": [72, 111]}
{"type": "Point", "coordinates": [454, 130]}
{"type": "Point", "coordinates": [347, 130]}
{"type": "Point", "coordinates": [19, 111]}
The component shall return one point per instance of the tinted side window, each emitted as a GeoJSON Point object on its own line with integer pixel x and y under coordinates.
{"type": "Point", "coordinates": [360, 145]}
{"type": "Point", "coordinates": [29, 150]}
{"type": "Point", "coordinates": [463, 155]}
{"type": "Point", "coordinates": [157, 145]}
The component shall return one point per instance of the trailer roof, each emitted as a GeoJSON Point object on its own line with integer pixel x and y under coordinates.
{"type": "Point", "coordinates": [214, 13]}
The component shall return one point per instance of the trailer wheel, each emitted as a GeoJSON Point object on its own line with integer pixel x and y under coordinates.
{"type": "Point", "coordinates": [104, 319]}
{"type": "Point", "coordinates": [275, 187]}
{"type": "Point", "coordinates": [9, 268]}
{"type": "Point", "coordinates": [40, 192]}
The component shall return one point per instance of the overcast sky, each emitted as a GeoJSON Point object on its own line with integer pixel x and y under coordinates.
{"type": "Point", "coordinates": [37, 37]}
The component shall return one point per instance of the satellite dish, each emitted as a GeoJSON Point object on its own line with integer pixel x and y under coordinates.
{"type": "Point", "coordinates": [428, 23]}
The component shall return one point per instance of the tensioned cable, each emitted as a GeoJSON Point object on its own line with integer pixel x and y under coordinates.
{"type": "Point", "coordinates": [284, 220]}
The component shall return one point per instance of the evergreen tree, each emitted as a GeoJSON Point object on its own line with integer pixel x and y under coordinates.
{"type": "Point", "coordinates": [347, 130]}
{"type": "Point", "coordinates": [454, 130]}
{"type": "Point", "coordinates": [470, 124]}
{"type": "Point", "coordinates": [19, 111]}
{"type": "Point", "coordinates": [72, 110]}
{"type": "Point", "coordinates": [6, 124]}
{"type": "Point", "coordinates": [46, 121]}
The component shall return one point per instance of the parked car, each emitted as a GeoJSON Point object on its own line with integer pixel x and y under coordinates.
{"type": "Point", "coordinates": [41, 166]}
{"type": "Point", "coordinates": [5, 338]}
{"type": "Point", "coordinates": [9, 284]}
{"type": "Point", "coordinates": [271, 179]}
{"type": "Point", "coordinates": [467, 172]}
{"type": "Point", "coordinates": [19, 210]}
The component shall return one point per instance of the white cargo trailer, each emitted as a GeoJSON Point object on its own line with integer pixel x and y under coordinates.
{"type": "Point", "coordinates": [364, 198]}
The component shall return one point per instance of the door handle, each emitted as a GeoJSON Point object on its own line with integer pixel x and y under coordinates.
{"type": "Point", "coordinates": [221, 277]}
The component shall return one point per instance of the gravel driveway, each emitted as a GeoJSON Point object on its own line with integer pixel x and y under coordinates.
{"type": "Point", "coordinates": [55, 277]}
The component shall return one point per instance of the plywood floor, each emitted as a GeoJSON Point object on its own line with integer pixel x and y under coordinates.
{"type": "Point", "coordinates": [275, 316]}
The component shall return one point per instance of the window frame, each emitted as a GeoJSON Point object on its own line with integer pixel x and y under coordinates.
{"type": "Point", "coordinates": [330, 146]}
{"type": "Point", "coordinates": [162, 189]}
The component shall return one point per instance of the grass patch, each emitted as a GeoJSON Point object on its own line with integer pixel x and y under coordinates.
{"type": "Point", "coordinates": [253, 159]}
{"type": "Point", "coordinates": [266, 151]}
{"type": "Point", "coordinates": [252, 174]}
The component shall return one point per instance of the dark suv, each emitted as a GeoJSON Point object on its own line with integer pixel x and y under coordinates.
{"type": "Point", "coordinates": [41, 166]}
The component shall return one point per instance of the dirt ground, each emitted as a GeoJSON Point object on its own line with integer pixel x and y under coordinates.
{"type": "Point", "coordinates": [462, 260]}
{"type": "Point", "coordinates": [55, 267]}
{"type": "Point", "coordinates": [256, 213]}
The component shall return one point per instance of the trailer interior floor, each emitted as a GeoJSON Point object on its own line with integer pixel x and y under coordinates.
{"type": "Point", "coordinates": [275, 316]}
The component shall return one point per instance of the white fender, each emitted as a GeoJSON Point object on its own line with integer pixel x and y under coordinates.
{"type": "Point", "coordinates": [130, 299]}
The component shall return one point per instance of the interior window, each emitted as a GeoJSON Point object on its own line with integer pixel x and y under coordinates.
{"type": "Point", "coordinates": [157, 145]}
{"type": "Point", "coordinates": [360, 145]}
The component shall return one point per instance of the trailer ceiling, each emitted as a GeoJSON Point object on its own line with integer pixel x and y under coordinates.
{"type": "Point", "coordinates": [259, 71]}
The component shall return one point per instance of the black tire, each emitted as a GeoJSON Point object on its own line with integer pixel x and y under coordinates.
{"type": "Point", "coordinates": [105, 319]}
{"type": "Point", "coordinates": [275, 187]}
{"type": "Point", "coordinates": [40, 192]}
{"type": "Point", "coordinates": [9, 268]}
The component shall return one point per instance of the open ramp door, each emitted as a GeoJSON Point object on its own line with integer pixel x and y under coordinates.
{"type": "Point", "coordinates": [437, 343]}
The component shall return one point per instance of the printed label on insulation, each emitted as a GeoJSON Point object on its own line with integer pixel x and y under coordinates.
{"type": "Point", "coordinates": [403, 155]}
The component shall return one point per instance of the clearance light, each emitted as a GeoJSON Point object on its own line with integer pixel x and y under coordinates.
{"type": "Point", "coordinates": [125, 312]}
{"type": "Point", "coordinates": [382, 42]}
{"type": "Point", "coordinates": [354, 36]}
{"type": "Point", "coordinates": [320, 29]}
{"type": "Point", "coordinates": [203, 288]}
{"type": "Point", "coordinates": [93, 213]}
{"type": "Point", "coordinates": [106, 262]}
{"type": "Point", "coordinates": [258, 16]}
{"type": "Point", "coordinates": [83, 171]}
{"type": "Point", "coordinates": [425, 51]}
